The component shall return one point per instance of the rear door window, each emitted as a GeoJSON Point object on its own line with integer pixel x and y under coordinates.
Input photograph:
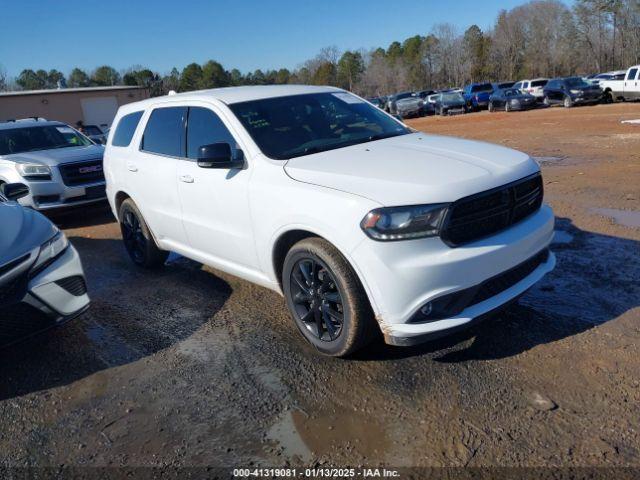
{"type": "Point", "coordinates": [125, 129]}
{"type": "Point", "coordinates": [632, 74]}
{"type": "Point", "coordinates": [164, 133]}
{"type": "Point", "coordinates": [204, 127]}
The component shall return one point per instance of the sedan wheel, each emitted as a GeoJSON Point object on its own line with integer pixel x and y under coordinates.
{"type": "Point", "coordinates": [545, 101]}
{"type": "Point", "coordinates": [490, 107]}
{"type": "Point", "coordinates": [568, 103]}
{"type": "Point", "coordinates": [507, 107]}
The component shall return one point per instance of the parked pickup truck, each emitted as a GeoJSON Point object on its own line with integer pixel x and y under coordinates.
{"type": "Point", "coordinates": [627, 89]}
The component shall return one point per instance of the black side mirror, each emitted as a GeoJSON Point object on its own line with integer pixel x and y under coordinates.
{"type": "Point", "coordinates": [14, 191]}
{"type": "Point", "coordinates": [219, 155]}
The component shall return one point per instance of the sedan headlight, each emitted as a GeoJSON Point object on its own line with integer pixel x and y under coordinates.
{"type": "Point", "coordinates": [34, 170]}
{"type": "Point", "coordinates": [515, 101]}
{"type": "Point", "coordinates": [576, 92]}
{"type": "Point", "coordinates": [51, 249]}
{"type": "Point", "coordinates": [404, 223]}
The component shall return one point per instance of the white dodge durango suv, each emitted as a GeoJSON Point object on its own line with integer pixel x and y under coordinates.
{"type": "Point", "coordinates": [363, 224]}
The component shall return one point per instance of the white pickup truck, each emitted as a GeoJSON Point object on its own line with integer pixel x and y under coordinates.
{"type": "Point", "coordinates": [626, 89]}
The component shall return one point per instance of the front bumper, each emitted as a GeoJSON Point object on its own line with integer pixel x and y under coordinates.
{"type": "Point", "coordinates": [586, 100]}
{"type": "Point", "coordinates": [525, 106]}
{"type": "Point", "coordinates": [49, 195]}
{"type": "Point", "coordinates": [52, 297]}
{"type": "Point", "coordinates": [54, 193]}
{"type": "Point", "coordinates": [401, 277]}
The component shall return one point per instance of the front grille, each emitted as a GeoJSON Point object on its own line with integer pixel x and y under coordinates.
{"type": "Point", "coordinates": [490, 212]}
{"type": "Point", "coordinates": [7, 267]}
{"type": "Point", "coordinates": [14, 290]}
{"type": "Point", "coordinates": [74, 285]}
{"type": "Point", "coordinates": [21, 321]}
{"type": "Point", "coordinates": [82, 173]}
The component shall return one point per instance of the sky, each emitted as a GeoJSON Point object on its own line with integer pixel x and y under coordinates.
{"type": "Point", "coordinates": [249, 34]}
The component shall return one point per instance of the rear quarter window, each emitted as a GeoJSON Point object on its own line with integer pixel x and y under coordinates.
{"type": "Point", "coordinates": [125, 129]}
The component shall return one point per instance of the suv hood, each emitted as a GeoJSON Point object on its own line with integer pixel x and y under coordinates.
{"type": "Point", "coordinates": [23, 230]}
{"type": "Point", "coordinates": [57, 156]}
{"type": "Point", "coordinates": [413, 169]}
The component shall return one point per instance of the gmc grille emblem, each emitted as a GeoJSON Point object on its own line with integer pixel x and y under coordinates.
{"type": "Point", "coordinates": [94, 168]}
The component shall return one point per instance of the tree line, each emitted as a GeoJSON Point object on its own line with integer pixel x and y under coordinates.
{"type": "Point", "coordinates": [542, 38]}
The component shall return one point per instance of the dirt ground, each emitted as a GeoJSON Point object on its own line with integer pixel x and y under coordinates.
{"type": "Point", "coordinates": [191, 367]}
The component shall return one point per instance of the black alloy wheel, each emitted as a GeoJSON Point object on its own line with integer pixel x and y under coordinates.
{"type": "Point", "coordinates": [133, 238]}
{"type": "Point", "coordinates": [325, 298]}
{"type": "Point", "coordinates": [137, 238]}
{"type": "Point", "coordinates": [317, 299]}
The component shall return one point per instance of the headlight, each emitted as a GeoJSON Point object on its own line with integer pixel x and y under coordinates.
{"type": "Point", "coordinates": [404, 223]}
{"type": "Point", "coordinates": [51, 249]}
{"type": "Point", "coordinates": [576, 92]}
{"type": "Point", "coordinates": [515, 101]}
{"type": "Point", "coordinates": [35, 170]}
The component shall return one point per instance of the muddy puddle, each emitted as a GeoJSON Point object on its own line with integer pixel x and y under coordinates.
{"type": "Point", "coordinates": [628, 218]}
{"type": "Point", "coordinates": [306, 437]}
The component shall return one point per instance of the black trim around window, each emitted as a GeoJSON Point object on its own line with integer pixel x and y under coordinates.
{"type": "Point", "coordinates": [184, 134]}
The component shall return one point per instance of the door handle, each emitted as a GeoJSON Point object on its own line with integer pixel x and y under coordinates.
{"type": "Point", "coordinates": [186, 178]}
{"type": "Point", "coordinates": [132, 168]}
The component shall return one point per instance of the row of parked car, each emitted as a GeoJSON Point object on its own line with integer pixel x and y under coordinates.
{"type": "Point", "coordinates": [522, 95]}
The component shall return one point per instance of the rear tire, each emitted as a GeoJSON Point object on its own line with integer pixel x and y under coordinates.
{"type": "Point", "coordinates": [137, 237]}
{"type": "Point", "coordinates": [546, 101]}
{"type": "Point", "coordinates": [326, 300]}
{"type": "Point", "coordinates": [607, 97]}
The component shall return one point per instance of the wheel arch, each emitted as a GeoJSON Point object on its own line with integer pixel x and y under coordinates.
{"type": "Point", "coordinates": [119, 198]}
{"type": "Point", "coordinates": [286, 239]}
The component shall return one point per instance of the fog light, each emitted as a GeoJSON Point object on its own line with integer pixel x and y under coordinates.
{"type": "Point", "coordinates": [426, 309]}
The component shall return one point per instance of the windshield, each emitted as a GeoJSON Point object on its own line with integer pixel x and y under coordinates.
{"type": "Point", "coordinates": [576, 82]}
{"type": "Point", "coordinates": [485, 87]}
{"type": "Point", "coordinates": [510, 92]}
{"type": "Point", "coordinates": [287, 127]}
{"type": "Point", "coordinates": [452, 97]}
{"type": "Point", "coordinates": [29, 139]}
{"type": "Point", "coordinates": [92, 130]}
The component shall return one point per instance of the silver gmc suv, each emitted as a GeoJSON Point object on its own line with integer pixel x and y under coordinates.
{"type": "Point", "coordinates": [61, 166]}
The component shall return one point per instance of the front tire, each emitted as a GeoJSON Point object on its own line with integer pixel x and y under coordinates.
{"type": "Point", "coordinates": [490, 108]}
{"type": "Point", "coordinates": [325, 298]}
{"type": "Point", "coordinates": [137, 237]}
{"type": "Point", "coordinates": [568, 103]}
{"type": "Point", "coordinates": [546, 101]}
{"type": "Point", "coordinates": [507, 107]}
